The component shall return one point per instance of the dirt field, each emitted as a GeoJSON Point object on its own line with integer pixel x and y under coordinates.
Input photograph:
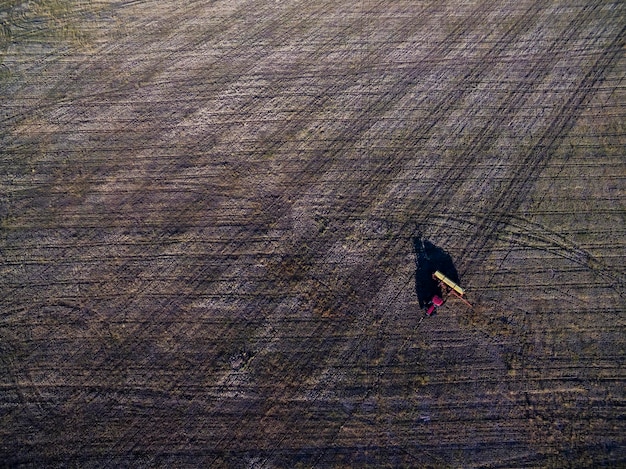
{"type": "Point", "coordinates": [218, 220]}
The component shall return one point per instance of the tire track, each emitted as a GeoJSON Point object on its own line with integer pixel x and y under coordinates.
{"type": "Point", "coordinates": [553, 129]}
{"type": "Point", "coordinates": [138, 299]}
{"type": "Point", "coordinates": [537, 158]}
{"type": "Point", "coordinates": [300, 260]}
{"type": "Point", "coordinates": [440, 112]}
{"type": "Point", "coordinates": [117, 365]}
{"type": "Point", "coordinates": [320, 332]}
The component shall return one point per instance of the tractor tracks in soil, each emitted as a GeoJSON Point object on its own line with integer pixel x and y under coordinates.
{"type": "Point", "coordinates": [143, 295]}
{"type": "Point", "coordinates": [538, 156]}
{"type": "Point", "coordinates": [482, 142]}
{"type": "Point", "coordinates": [501, 218]}
{"type": "Point", "coordinates": [536, 159]}
{"type": "Point", "coordinates": [367, 190]}
{"type": "Point", "coordinates": [522, 231]}
{"type": "Point", "coordinates": [300, 267]}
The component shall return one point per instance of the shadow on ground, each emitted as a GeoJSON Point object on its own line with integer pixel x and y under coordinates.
{"type": "Point", "coordinates": [429, 258]}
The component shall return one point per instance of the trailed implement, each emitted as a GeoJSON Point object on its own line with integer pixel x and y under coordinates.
{"type": "Point", "coordinates": [447, 287]}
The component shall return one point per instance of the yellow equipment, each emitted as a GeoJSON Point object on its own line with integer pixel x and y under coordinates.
{"type": "Point", "coordinates": [448, 285]}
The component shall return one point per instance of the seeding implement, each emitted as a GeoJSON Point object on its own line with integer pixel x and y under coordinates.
{"type": "Point", "coordinates": [448, 287]}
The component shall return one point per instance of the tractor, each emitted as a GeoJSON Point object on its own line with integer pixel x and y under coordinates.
{"type": "Point", "coordinates": [447, 287]}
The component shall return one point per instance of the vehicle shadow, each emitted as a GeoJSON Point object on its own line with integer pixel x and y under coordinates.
{"type": "Point", "coordinates": [428, 259]}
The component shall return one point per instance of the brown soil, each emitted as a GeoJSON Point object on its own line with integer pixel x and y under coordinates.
{"type": "Point", "coordinates": [209, 213]}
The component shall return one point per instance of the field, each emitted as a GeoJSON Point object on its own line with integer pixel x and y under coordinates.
{"type": "Point", "coordinates": [218, 221]}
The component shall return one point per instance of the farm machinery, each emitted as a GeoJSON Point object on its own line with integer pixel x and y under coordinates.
{"type": "Point", "coordinates": [447, 287]}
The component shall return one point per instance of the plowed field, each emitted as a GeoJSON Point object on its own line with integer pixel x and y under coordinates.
{"type": "Point", "coordinates": [219, 221]}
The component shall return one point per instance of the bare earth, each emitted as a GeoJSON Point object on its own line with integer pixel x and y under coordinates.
{"type": "Point", "coordinates": [209, 213]}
